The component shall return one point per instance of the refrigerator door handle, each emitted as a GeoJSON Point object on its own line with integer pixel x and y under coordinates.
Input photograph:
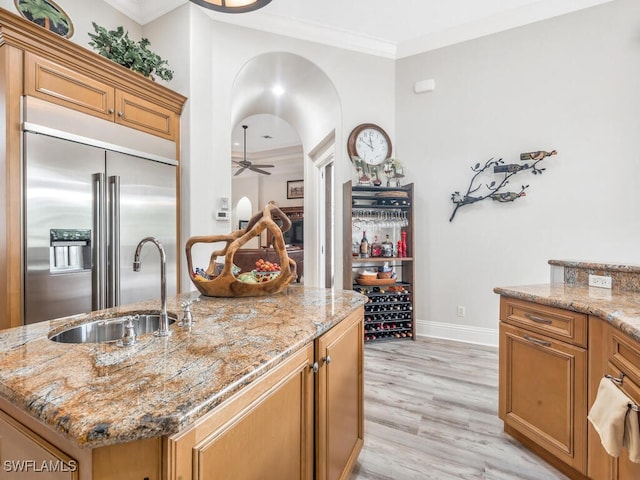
{"type": "Point", "coordinates": [98, 256]}
{"type": "Point", "coordinates": [114, 241]}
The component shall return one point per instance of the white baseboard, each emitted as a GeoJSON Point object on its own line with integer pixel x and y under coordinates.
{"type": "Point", "coordinates": [459, 333]}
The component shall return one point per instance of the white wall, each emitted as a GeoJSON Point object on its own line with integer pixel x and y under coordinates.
{"type": "Point", "coordinates": [571, 83]}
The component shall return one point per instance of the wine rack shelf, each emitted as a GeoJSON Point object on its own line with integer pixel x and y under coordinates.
{"type": "Point", "coordinates": [389, 311]}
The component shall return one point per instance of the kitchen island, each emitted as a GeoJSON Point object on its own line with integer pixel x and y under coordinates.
{"type": "Point", "coordinates": [557, 342]}
{"type": "Point", "coordinates": [171, 401]}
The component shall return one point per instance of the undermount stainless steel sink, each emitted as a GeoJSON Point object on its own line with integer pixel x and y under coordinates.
{"type": "Point", "coordinates": [109, 329]}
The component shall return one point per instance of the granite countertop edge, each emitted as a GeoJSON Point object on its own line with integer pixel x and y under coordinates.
{"type": "Point", "coordinates": [620, 309]}
{"type": "Point", "coordinates": [108, 395]}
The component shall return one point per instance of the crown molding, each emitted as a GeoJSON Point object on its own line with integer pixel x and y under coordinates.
{"type": "Point", "coordinates": [311, 31]}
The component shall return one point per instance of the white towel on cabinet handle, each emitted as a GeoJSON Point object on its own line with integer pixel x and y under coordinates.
{"type": "Point", "coordinates": [615, 421]}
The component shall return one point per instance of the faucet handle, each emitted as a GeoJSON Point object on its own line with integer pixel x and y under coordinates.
{"type": "Point", "coordinates": [129, 335]}
{"type": "Point", "coordinates": [187, 318]}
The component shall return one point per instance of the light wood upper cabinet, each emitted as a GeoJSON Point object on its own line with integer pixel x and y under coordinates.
{"type": "Point", "coordinates": [138, 113]}
{"type": "Point", "coordinates": [70, 88]}
{"type": "Point", "coordinates": [60, 85]}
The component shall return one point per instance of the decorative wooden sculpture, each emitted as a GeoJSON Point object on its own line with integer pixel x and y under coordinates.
{"type": "Point", "coordinates": [226, 284]}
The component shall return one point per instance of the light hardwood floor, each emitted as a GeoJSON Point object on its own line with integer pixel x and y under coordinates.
{"type": "Point", "coordinates": [431, 412]}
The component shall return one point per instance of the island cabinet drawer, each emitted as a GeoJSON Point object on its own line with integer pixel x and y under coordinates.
{"type": "Point", "coordinates": [624, 353]}
{"type": "Point", "coordinates": [24, 454]}
{"type": "Point", "coordinates": [564, 325]}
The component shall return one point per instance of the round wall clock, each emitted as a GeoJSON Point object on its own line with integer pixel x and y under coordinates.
{"type": "Point", "coordinates": [370, 143]}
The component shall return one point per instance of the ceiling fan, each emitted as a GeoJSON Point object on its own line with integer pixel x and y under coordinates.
{"type": "Point", "coordinates": [245, 164]}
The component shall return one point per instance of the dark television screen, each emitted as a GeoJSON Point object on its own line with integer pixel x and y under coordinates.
{"type": "Point", "coordinates": [294, 236]}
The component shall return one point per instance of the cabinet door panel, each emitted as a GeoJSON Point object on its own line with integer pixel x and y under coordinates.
{"type": "Point", "coordinates": [57, 84]}
{"type": "Point", "coordinates": [543, 386]}
{"type": "Point", "coordinates": [340, 422]}
{"type": "Point", "coordinates": [24, 455]}
{"type": "Point", "coordinates": [143, 115]}
{"type": "Point", "coordinates": [264, 431]}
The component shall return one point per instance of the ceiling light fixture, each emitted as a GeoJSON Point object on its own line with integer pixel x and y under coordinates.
{"type": "Point", "coordinates": [232, 6]}
{"type": "Point", "coordinates": [278, 90]}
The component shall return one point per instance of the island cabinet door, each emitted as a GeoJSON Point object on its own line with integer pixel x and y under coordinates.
{"type": "Point", "coordinates": [264, 431]}
{"type": "Point", "coordinates": [542, 394]}
{"type": "Point", "coordinates": [25, 455]}
{"type": "Point", "coordinates": [339, 398]}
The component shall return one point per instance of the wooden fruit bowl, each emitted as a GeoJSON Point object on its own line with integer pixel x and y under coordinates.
{"type": "Point", "coordinates": [226, 284]}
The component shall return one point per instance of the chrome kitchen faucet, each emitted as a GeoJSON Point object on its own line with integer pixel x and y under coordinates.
{"type": "Point", "coordinates": [163, 329]}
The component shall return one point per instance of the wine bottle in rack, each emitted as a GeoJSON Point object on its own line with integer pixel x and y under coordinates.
{"type": "Point", "coordinates": [364, 246]}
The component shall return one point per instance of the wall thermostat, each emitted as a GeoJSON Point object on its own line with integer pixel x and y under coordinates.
{"type": "Point", "coordinates": [224, 203]}
{"type": "Point", "coordinates": [223, 215]}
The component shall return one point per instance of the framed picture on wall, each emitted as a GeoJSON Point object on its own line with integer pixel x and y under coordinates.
{"type": "Point", "coordinates": [47, 14]}
{"type": "Point", "coordinates": [295, 189]}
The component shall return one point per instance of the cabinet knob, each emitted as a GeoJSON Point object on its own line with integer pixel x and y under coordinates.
{"type": "Point", "coordinates": [314, 367]}
{"type": "Point", "coordinates": [121, 114]}
{"type": "Point", "coordinates": [327, 359]}
{"type": "Point", "coordinates": [111, 110]}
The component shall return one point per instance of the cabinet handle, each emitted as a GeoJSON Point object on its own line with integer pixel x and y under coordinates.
{"type": "Point", "coordinates": [314, 367]}
{"type": "Point", "coordinates": [120, 114]}
{"type": "Point", "coordinates": [327, 359]}
{"type": "Point", "coordinates": [544, 343]}
{"type": "Point", "coordinates": [618, 380]}
{"type": "Point", "coordinates": [111, 110]}
{"type": "Point", "coordinates": [537, 319]}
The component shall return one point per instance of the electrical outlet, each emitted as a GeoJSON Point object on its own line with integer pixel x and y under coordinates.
{"type": "Point", "coordinates": [461, 311]}
{"type": "Point", "coordinates": [599, 281]}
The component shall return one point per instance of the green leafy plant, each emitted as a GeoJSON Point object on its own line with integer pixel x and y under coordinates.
{"type": "Point", "coordinates": [117, 46]}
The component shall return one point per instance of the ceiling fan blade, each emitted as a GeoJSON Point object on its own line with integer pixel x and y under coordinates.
{"type": "Point", "coordinates": [240, 170]}
{"type": "Point", "coordinates": [262, 166]}
{"type": "Point", "coordinates": [259, 171]}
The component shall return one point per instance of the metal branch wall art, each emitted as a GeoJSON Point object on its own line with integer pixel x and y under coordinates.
{"type": "Point", "coordinates": [496, 188]}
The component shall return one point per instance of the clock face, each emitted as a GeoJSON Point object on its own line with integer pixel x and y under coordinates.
{"type": "Point", "coordinates": [370, 143]}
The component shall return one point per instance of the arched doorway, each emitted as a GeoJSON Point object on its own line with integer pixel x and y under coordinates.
{"type": "Point", "coordinates": [297, 91]}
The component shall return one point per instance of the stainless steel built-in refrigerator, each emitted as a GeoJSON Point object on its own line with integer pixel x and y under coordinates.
{"type": "Point", "coordinates": [86, 207]}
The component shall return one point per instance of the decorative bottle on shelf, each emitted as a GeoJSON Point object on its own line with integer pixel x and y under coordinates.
{"type": "Point", "coordinates": [364, 246]}
{"type": "Point", "coordinates": [387, 247]}
{"type": "Point", "coordinates": [376, 248]}
{"type": "Point", "coordinates": [404, 243]}
{"type": "Point", "coordinates": [400, 253]}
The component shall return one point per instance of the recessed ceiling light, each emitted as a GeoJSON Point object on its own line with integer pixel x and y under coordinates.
{"type": "Point", "coordinates": [267, 137]}
{"type": "Point", "coordinates": [278, 90]}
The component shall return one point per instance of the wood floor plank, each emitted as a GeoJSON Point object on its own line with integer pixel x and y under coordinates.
{"type": "Point", "coordinates": [431, 413]}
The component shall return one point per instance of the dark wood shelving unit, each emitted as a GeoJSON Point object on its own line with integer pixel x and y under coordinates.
{"type": "Point", "coordinates": [389, 312]}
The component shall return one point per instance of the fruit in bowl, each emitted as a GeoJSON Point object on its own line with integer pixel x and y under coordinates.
{"type": "Point", "coordinates": [266, 271]}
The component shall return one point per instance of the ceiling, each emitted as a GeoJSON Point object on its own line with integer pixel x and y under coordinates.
{"type": "Point", "coordinates": [392, 29]}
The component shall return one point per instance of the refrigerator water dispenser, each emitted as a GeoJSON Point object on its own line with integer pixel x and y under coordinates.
{"type": "Point", "coordinates": [70, 250]}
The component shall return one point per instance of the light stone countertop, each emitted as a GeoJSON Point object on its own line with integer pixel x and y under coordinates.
{"type": "Point", "coordinates": [620, 308]}
{"type": "Point", "coordinates": [100, 394]}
